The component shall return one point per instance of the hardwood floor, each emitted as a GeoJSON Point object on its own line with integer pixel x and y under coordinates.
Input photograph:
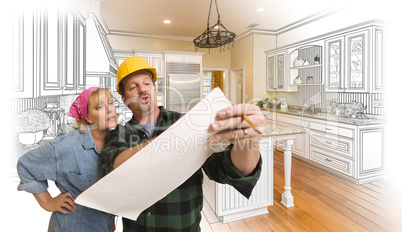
{"type": "Point", "coordinates": [323, 202]}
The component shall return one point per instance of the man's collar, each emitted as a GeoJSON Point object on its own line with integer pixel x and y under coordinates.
{"type": "Point", "coordinates": [163, 114]}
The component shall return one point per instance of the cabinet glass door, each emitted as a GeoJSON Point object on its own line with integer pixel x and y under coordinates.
{"type": "Point", "coordinates": [334, 64]}
{"type": "Point", "coordinates": [271, 73]}
{"type": "Point", "coordinates": [355, 62]}
{"type": "Point", "coordinates": [280, 64]}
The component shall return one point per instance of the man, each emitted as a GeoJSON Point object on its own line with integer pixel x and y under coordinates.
{"type": "Point", "coordinates": [239, 165]}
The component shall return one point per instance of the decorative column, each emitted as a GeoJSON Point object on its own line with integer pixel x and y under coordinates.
{"type": "Point", "coordinates": [287, 197]}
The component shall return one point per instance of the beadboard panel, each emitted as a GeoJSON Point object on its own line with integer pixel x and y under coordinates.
{"type": "Point", "coordinates": [321, 99]}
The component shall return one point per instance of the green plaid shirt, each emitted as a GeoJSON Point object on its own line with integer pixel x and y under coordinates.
{"type": "Point", "coordinates": [181, 209]}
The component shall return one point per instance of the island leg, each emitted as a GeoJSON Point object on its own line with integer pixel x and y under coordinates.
{"type": "Point", "coordinates": [287, 197]}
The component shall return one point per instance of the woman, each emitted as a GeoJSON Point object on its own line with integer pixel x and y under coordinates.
{"type": "Point", "coordinates": [72, 161]}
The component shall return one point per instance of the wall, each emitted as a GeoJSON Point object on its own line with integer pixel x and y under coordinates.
{"type": "Point", "coordinates": [242, 56]}
{"type": "Point", "coordinates": [261, 43]}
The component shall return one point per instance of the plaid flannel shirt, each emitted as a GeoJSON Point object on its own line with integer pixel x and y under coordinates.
{"type": "Point", "coordinates": [181, 209]}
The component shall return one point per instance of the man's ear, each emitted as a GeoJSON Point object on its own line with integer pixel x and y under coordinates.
{"type": "Point", "coordinates": [124, 100]}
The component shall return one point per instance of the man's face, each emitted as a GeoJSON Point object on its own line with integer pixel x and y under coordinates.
{"type": "Point", "coordinates": [140, 93]}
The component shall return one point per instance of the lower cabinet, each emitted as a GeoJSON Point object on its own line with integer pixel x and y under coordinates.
{"type": "Point", "coordinates": [229, 205]}
{"type": "Point", "coordinates": [300, 145]}
{"type": "Point", "coordinates": [355, 153]}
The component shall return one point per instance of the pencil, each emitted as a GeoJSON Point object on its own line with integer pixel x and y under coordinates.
{"type": "Point", "coordinates": [245, 118]}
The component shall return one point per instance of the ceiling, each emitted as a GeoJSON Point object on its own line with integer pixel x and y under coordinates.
{"type": "Point", "coordinates": [189, 17]}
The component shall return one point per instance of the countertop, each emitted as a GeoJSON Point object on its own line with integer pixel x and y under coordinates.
{"type": "Point", "coordinates": [274, 128]}
{"type": "Point", "coordinates": [329, 117]}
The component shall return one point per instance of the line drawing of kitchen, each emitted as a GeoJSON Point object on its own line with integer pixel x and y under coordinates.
{"type": "Point", "coordinates": [326, 75]}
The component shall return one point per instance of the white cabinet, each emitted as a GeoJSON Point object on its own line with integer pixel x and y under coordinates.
{"type": "Point", "coordinates": [277, 71]}
{"type": "Point", "coordinates": [183, 57]}
{"type": "Point", "coordinates": [306, 64]}
{"type": "Point", "coordinates": [355, 153]}
{"type": "Point", "coordinates": [229, 205]}
{"type": "Point", "coordinates": [300, 145]}
{"type": "Point", "coordinates": [378, 72]}
{"type": "Point", "coordinates": [370, 152]}
{"type": "Point", "coordinates": [50, 53]}
{"type": "Point", "coordinates": [155, 59]}
{"type": "Point", "coordinates": [62, 53]}
{"type": "Point", "coordinates": [347, 62]}
{"type": "Point", "coordinates": [25, 70]}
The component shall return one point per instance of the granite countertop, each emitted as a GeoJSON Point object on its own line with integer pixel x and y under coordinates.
{"type": "Point", "coordinates": [274, 128]}
{"type": "Point", "coordinates": [329, 117]}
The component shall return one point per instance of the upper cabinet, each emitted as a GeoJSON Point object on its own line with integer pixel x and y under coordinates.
{"type": "Point", "coordinates": [378, 71]}
{"type": "Point", "coordinates": [50, 48]}
{"type": "Point", "coordinates": [306, 64]}
{"type": "Point", "coordinates": [277, 71]}
{"type": "Point", "coordinates": [347, 62]}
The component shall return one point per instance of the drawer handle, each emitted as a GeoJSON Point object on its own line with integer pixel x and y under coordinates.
{"type": "Point", "coordinates": [328, 142]}
{"type": "Point", "coordinates": [329, 160]}
{"type": "Point", "coordinates": [328, 128]}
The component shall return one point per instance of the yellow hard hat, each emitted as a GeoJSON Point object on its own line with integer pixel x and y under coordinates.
{"type": "Point", "coordinates": [131, 65]}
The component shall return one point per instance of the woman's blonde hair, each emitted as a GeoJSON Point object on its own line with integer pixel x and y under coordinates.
{"type": "Point", "coordinates": [80, 122]}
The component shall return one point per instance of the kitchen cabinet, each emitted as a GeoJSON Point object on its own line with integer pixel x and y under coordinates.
{"type": "Point", "coordinates": [300, 144]}
{"type": "Point", "coordinates": [183, 57]}
{"type": "Point", "coordinates": [277, 71]}
{"type": "Point", "coordinates": [53, 63]}
{"type": "Point", "coordinates": [25, 70]}
{"type": "Point", "coordinates": [357, 153]}
{"type": "Point", "coordinates": [229, 205]}
{"type": "Point", "coordinates": [63, 53]}
{"type": "Point", "coordinates": [306, 64]}
{"type": "Point", "coordinates": [352, 152]}
{"type": "Point", "coordinates": [378, 84]}
{"type": "Point", "coordinates": [347, 62]}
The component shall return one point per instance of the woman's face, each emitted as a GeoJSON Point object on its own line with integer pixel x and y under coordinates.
{"type": "Point", "coordinates": [101, 110]}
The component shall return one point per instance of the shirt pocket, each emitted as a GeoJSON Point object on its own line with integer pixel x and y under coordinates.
{"type": "Point", "coordinates": [80, 181]}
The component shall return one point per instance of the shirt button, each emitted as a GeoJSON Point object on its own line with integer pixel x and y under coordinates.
{"type": "Point", "coordinates": [149, 214]}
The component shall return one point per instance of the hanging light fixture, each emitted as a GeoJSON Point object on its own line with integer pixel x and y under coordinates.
{"type": "Point", "coordinates": [215, 36]}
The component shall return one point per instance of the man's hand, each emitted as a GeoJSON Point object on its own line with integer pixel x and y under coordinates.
{"type": "Point", "coordinates": [230, 126]}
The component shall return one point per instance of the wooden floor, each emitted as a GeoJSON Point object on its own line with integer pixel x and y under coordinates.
{"type": "Point", "coordinates": [323, 202]}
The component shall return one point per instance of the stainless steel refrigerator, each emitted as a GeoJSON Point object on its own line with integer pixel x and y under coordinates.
{"type": "Point", "coordinates": [183, 91]}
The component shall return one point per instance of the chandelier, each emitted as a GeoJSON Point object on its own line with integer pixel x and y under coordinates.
{"type": "Point", "coordinates": [214, 36]}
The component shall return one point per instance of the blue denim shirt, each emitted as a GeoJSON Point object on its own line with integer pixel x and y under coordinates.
{"type": "Point", "coordinates": [72, 161]}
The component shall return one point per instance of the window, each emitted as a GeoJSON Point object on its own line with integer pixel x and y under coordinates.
{"type": "Point", "coordinates": [206, 83]}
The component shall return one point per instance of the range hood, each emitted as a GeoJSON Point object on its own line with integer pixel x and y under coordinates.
{"type": "Point", "coordinates": [100, 60]}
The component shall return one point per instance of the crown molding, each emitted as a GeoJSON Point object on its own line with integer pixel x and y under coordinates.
{"type": "Point", "coordinates": [168, 37]}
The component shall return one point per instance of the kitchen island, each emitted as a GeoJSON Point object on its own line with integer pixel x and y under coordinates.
{"type": "Point", "coordinates": [229, 205]}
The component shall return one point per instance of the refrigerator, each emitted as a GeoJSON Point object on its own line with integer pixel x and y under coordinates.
{"type": "Point", "coordinates": [183, 91]}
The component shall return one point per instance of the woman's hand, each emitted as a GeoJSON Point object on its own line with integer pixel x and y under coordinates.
{"type": "Point", "coordinates": [63, 203]}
